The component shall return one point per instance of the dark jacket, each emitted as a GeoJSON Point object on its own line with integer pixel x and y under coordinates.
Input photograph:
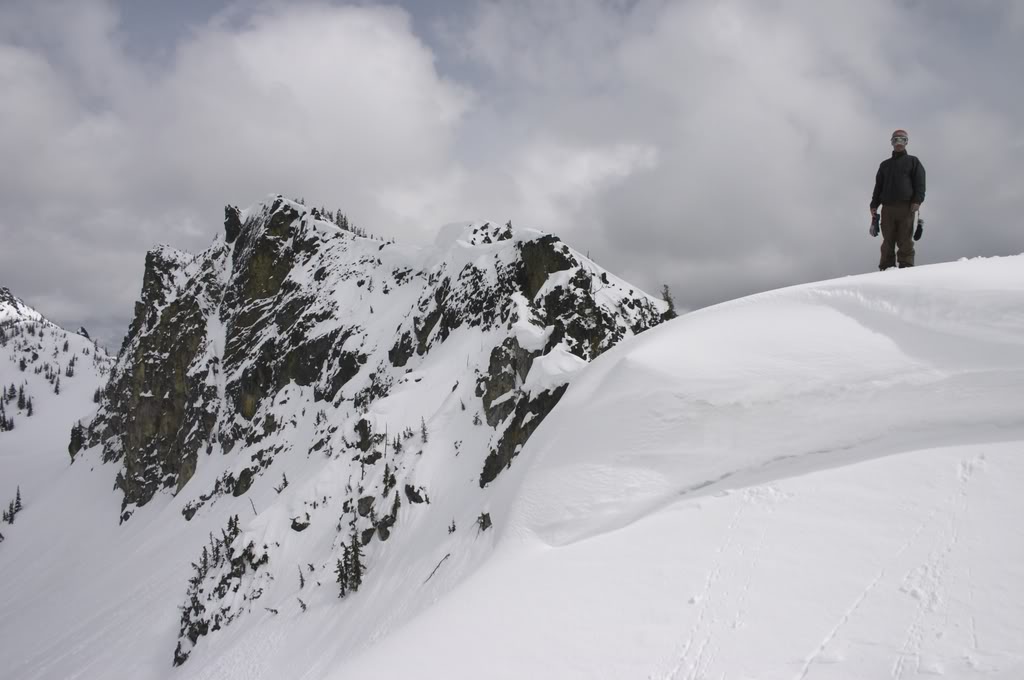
{"type": "Point", "coordinates": [900, 179]}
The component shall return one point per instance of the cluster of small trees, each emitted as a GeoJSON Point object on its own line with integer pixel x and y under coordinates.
{"type": "Point", "coordinates": [350, 567]}
{"type": "Point", "coordinates": [214, 556]}
{"type": "Point", "coordinates": [13, 397]}
{"type": "Point", "coordinates": [335, 216]}
{"type": "Point", "coordinates": [340, 219]}
{"type": "Point", "coordinates": [13, 509]}
{"type": "Point", "coordinates": [51, 372]}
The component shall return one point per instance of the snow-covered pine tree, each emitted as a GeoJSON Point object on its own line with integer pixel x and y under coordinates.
{"type": "Point", "coordinates": [341, 569]}
{"type": "Point", "coordinates": [666, 295]}
{"type": "Point", "coordinates": [356, 568]}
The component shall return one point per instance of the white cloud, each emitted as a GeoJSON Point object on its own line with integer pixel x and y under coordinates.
{"type": "Point", "coordinates": [340, 105]}
{"type": "Point", "coordinates": [720, 147]}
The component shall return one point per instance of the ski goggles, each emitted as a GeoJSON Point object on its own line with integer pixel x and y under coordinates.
{"type": "Point", "coordinates": [900, 139]}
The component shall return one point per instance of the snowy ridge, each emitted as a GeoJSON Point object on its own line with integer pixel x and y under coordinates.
{"type": "Point", "coordinates": [13, 309]}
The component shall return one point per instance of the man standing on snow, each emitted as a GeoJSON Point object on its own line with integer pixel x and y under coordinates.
{"type": "Point", "coordinates": [899, 189]}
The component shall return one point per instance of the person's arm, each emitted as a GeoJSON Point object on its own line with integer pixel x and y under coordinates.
{"type": "Point", "coordinates": [876, 195]}
{"type": "Point", "coordinates": [919, 182]}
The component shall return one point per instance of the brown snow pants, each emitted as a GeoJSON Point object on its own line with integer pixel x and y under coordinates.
{"type": "Point", "coordinates": [897, 232]}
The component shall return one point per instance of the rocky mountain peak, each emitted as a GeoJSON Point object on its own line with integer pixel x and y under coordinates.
{"type": "Point", "coordinates": [407, 371]}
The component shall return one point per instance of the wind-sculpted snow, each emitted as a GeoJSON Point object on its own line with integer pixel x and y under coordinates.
{"type": "Point", "coordinates": [801, 378]}
{"type": "Point", "coordinates": [294, 349]}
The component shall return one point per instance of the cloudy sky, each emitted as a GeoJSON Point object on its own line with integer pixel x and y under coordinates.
{"type": "Point", "coordinates": [722, 147]}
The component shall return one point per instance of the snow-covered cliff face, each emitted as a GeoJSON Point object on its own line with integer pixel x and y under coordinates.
{"type": "Point", "coordinates": [354, 390]}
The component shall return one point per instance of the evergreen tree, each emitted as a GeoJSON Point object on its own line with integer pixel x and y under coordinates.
{"type": "Point", "coordinates": [17, 501]}
{"type": "Point", "coordinates": [356, 570]}
{"type": "Point", "coordinates": [28, 407]}
{"type": "Point", "coordinates": [341, 570]}
{"type": "Point", "coordinates": [10, 513]}
{"type": "Point", "coordinates": [666, 295]}
{"type": "Point", "coordinates": [423, 430]}
{"type": "Point", "coordinates": [21, 398]}
{"type": "Point", "coordinates": [77, 436]}
{"type": "Point", "coordinates": [56, 386]}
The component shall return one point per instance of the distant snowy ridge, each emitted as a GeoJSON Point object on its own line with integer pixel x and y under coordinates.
{"type": "Point", "coordinates": [13, 309]}
{"type": "Point", "coordinates": [50, 379]}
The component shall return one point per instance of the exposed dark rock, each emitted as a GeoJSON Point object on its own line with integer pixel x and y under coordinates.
{"type": "Point", "coordinates": [365, 440]}
{"type": "Point", "coordinates": [508, 366]}
{"type": "Point", "coordinates": [243, 483]}
{"type": "Point", "coordinates": [232, 223]}
{"type": "Point", "coordinates": [541, 258]}
{"type": "Point", "coordinates": [413, 494]}
{"type": "Point", "coordinates": [366, 535]}
{"type": "Point", "coordinates": [528, 416]}
{"type": "Point", "coordinates": [400, 354]}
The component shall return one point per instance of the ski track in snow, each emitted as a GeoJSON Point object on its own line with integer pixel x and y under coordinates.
{"type": "Point", "coordinates": [722, 609]}
{"type": "Point", "coordinates": [724, 597]}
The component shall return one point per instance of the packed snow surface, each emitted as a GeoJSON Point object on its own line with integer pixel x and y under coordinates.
{"type": "Point", "coordinates": [819, 482]}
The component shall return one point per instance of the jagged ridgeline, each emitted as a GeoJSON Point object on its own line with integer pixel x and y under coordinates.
{"type": "Point", "coordinates": [410, 376]}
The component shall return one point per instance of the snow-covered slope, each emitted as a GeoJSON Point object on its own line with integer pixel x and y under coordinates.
{"type": "Point", "coordinates": [817, 482]}
{"type": "Point", "coordinates": [54, 375]}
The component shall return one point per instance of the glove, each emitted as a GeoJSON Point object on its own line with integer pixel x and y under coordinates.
{"type": "Point", "coordinates": [920, 229]}
{"type": "Point", "coordinates": [914, 207]}
{"type": "Point", "coordinates": [874, 224]}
